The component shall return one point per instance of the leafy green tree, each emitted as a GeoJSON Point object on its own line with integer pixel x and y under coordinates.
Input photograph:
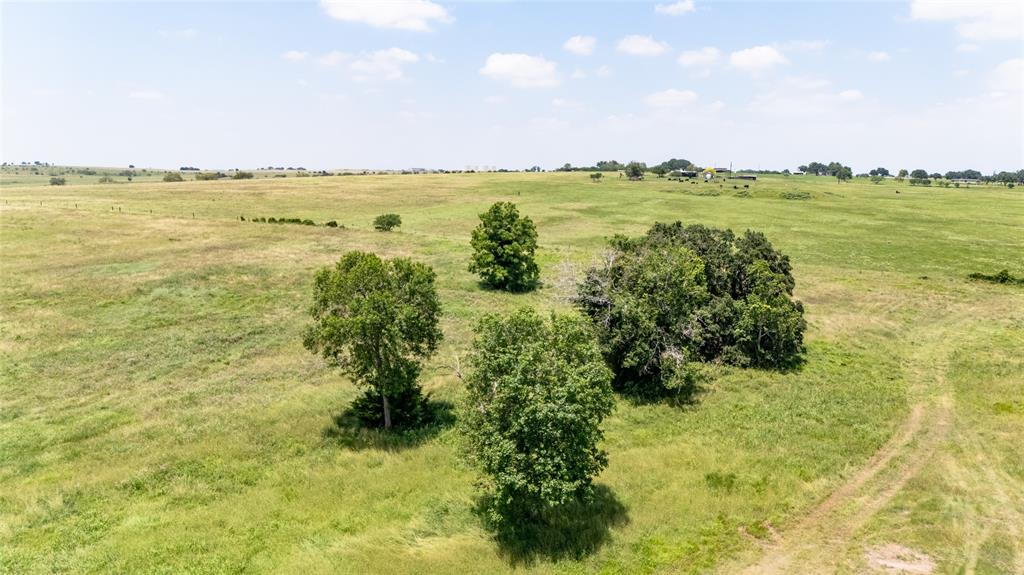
{"type": "Point", "coordinates": [503, 249]}
{"type": "Point", "coordinates": [377, 320]}
{"type": "Point", "coordinates": [536, 396]}
{"type": "Point", "coordinates": [659, 171]}
{"type": "Point", "coordinates": [879, 172]}
{"type": "Point", "coordinates": [919, 174]}
{"type": "Point", "coordinates": [641, 302]}
{"type": "Point", "coordinates": [635, 170]}
{"type": "Point", "coordinates": [770, 327]}
{"type": "Point", "coordinates": [902, 174]}
{"type": "Point", "coordinates": [387, 222]}
{"type": "Point", "coordinates": [663, 303]}
{"type": "Point", "coordinates": [173, 177]}
{"type": "Point", "coordinates": [877, 179]}
{"type": "Point", "coordinates": [843, 173]}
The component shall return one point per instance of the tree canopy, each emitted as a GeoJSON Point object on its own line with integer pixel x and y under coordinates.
{"type": "Point", "coordinates": [377, 320]}
{"type": "Point", "coordinates": [536, 396]}
{"type": "Point", "coordinates": [687, 294]}
{"type": "Point", "coordinates": [503, 249]}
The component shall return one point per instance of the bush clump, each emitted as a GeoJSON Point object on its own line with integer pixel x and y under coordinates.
{"type": "Point", "coordinates": [56, 181]}
{"type": "Point", "coordinates": [664, 303]}
{"type": "Point", "coordinates": [387, 222]}
{"type": "Point", "coordinates": [503, 249]}
{"type": "Point", "coordinates": [1000, 277]}
{"type": "Point", "coordinates": [242, 176]}
{"type": "Point", "coordinates": [173, 177]}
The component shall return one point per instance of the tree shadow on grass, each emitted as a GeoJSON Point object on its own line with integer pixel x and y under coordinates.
{"type": "Point", "coordinates": [573, 531]}
{"type": "Point", "coordinates": [348, 430]}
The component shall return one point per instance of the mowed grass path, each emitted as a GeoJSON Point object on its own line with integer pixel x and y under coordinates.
{"type": "Point", "coordinates": [158, 412]}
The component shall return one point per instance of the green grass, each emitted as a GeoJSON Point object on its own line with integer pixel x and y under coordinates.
{"type": "Point", "coordinates": [158, 412]}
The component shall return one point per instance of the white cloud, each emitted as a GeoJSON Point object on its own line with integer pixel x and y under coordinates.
{"type": "Point", "coordinates": [878, 56]}
{"type": "Point", "coordinates": [706, 56]}
{"type": "Point", "coordinates": [494, 100]}
{"type": "Point", "coordinates": [975, 19]}
{"type": "Point", "coordinates": [716, 106]}
{"type": "Point", "coordinates": [1009, 76]}
{"type": "Point", "coordinates": [295, 55]}
{"type": "Point", "coordinates": [146, 95]}
{"type": "Point", "coordinates": [521, 70]}
{"type": "Point", "coordinates": [400, 14]}
{"type": "Point", "coordinates": [802, 98]}
{"type": "Point", "coordinates": [578, 74]}
{"type": "Point", "coordinates": [382, 64]}
{"type": "Point", "coordinates": [671, 98]}
{"type": "Point", "coordinates": [333, 58]}
{"type": "Point", "coordinates": [757, 59]}
{"type": "Point", "coordinates": [582, 45]}
{"type": "Point", "coordinates": [967, 47]}
{"type": "Point", "coordinates": [675, 9]}
{"type": "Point", "coordinates": [603, 72]}
{"type": "Point", "coordinates": [851, 95]}
{"type": "Point", "coordinates": [637, 45]}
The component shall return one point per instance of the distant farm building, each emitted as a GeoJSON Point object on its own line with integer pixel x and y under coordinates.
{"type": "Point", "coordinates": [683, 174]}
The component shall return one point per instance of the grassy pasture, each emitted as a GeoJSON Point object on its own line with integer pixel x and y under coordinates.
{"type": "Point", "coordinates": [158, 412]}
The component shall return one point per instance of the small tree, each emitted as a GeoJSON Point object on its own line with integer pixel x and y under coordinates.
{"type": "Point", "coordinates": [242, 176]}
{"type": "Point", "coordinates": [503, 249]}
{"type": "Point", "coordinates": [596, 177]}
{"type": "Point", "coordinates": [56, 181]}
{"type": "Point", "coordinates": [843, 173]}
{"type": "Point", "coordinates": [377, 320]}
{"type": "Point", "coordinates": [536, 396]}
{"type": "Point", "coordinates": [387, 222]}
{"type": "Point", "coordinates": [919, 174]}
{"type": "Point", "coordinates": [173, 177]}
{"type": "Point", "coordinates": [635, 170]}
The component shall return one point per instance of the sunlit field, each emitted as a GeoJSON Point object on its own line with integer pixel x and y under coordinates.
{"type": "Point", "coordinates": [158, 412]}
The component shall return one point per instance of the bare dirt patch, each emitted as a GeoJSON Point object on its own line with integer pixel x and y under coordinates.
{"type": "Point", "coordinates": [893, 558]}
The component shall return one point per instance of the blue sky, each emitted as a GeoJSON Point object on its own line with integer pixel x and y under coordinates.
{"type": "Point", "coordinates": [436, 84]}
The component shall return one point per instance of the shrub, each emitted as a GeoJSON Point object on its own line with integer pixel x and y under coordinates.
{"type": "Point", "coordinates": [1000, 277]}
{"type": "Point", "coordinates": [596, 177]}
{"type": "Point", "coordinates": [387, 222]}
{"type": "Point", "coordinates": [536, 396]}
{"type": "Point", "coordinates": [877, 179]}
{"type": "Point", "coordinates": [242, 176]}
{"type": "Point", "coordinates": [55, 181]}
{"type": "Point", "coordinates": [173, 177]}
{"type": "Point", "coordinates": [377, 320]}
{"type": "Point", "coordinates": [665, 302]}
{"type": "Point", "coordinates": [503, 249]}
{"type": "Point", "coordinates": [331, 224]}
{"type": "Point", "coordinates": [308, 223]}
{"type": "Point", "coordinates": [203, 176]}
{"type": "Point", "coordinates": [635, 170]}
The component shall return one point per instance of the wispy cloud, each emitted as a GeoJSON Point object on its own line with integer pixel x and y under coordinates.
{"type": "Point", "coordinates": [638, 45]}
{"type": "Point", "coordinates": [757, 59]}
{"type": "Point", "coordinates": [521, 70]}
{"type": "Point", "coordinates": [415, 15]}
{"type": "Point", "coordinates": [676, 8]}
{"type": "Point", "coordinates": [582, 45]}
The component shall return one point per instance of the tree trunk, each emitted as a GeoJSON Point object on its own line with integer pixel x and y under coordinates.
{"type": "Point", "coordinates": [387, 412]}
